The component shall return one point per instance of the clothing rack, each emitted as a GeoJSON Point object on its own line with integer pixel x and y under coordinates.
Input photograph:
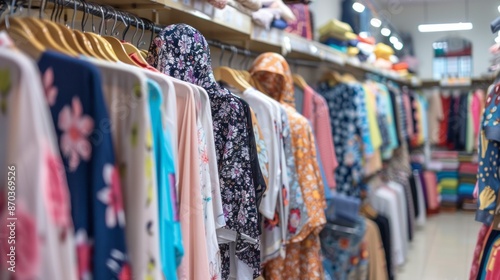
{"type": "Point", "coordinates": [102, 11]}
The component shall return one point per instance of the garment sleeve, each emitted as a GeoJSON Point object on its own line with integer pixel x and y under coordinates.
{"type": "Point", "coordinates": [362, 120]}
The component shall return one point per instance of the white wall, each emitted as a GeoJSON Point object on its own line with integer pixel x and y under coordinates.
{"type": "Point", "coordinates": [481, 13]}
{"type": "Point", "coordinates": [324, 10]}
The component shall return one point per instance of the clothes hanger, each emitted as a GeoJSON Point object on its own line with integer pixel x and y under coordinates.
{"type": "Point", "coordinates": [97, 44]}
{"type": "Point", "coordinates": [299, 81]}
{"type": "Point", "coordinates": [70, 36]}
{"type": "Point", "coordinates": [56, 32]}
{"type": "Point", "coordinates": [131, 49]}
{"type": "Point", "coordinates": [348, 78]}
{"type": "Point", "coordinates": [244, 74]}
{"type": "Point", "coordinates": [23, 39]}
{"type": "Point", "coordinates": [229, 76]}
{"type": "Point", "coordinates": [41, 32]}
{"type": "Point", "coordinates": [83, 39]}
{"type": "Point", "coordinates": [107, 48]}
{"type": "Point", "coordinates": [117, 45]}
{"type": "Point", "coordinates": [332, 77]}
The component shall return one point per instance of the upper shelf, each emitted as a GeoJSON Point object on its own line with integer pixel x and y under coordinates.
{"type": "Point", "coordinates": [233, 27]}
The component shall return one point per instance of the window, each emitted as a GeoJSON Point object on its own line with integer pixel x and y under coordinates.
{"type": "Point", "coordinates": [452, 58]}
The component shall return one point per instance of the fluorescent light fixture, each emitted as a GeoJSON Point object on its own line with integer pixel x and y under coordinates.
{"type": "Point", "coordinates": [398, 46]}
{"type": "Point", "coordinates": [363, 34]}
{"type": "Point", "coordinates": [499, 9]}
{"type": "Point", "coordinates": [375, 22]}
{"type": "Point", "coordinates": [394, 39]}
{"type": "Point", "coordinates": [385, 31]}
{"type": "Point", "coordinates": [358, 7]}
{"type": "Point", "coordinates": [445, 27]}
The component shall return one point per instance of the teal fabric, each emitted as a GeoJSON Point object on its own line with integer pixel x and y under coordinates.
{"type": "Point", "coordinates": [171, 248]}
{"type": "Point", "coordinates": [393, 134]}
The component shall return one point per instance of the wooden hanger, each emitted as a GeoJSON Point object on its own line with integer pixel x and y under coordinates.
{"type": "Point", "coordinates": [25, 42]}
{"type": "Point", "coordinates": [119, 50]}
{"type": "Point", "coordinates": [227, 75]}
{"type": "Point", "coordinates": [130, 49]}
{"type": "Point", "coordinates": [368, 211]}
{"type": "Point", "coordinates": [56, 33]}
{"type": "Point", "coordinates": [332, 77]}
{"type": "Point", "coordinates": [41, 33]}
{"type": "Point", "coordinates": [299, 81]}
{"type": "Point", "coordinates": [348, 78]}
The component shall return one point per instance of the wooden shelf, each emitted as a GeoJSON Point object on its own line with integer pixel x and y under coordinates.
{"type": "Point", "coordinates": [233, 27]}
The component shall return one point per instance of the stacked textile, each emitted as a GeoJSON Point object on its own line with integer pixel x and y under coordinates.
{"type": "Point", "coordinates": [467, 180]}
{"type": "Point", "coordinates": [447, 177]}
{"type": "Point", "coordinates": [338, 35]}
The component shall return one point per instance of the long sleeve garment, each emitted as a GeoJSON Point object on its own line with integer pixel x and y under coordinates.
{"type": "Point", "coordinates": [182, 52]}
{"type": "Point", "coordinates": [92, 162]}
{"type": "Point", "coordinates": [30, 158]}
{"type": "Point", "coordinates": [271, 74]}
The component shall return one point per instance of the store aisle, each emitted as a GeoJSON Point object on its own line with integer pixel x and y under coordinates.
{"type": "Point", "coordinates": [442, 250]}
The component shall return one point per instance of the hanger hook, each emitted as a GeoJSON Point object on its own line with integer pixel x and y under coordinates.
{"type": "Point", "coordinates": [136, 28]}
{"type": "Point", "coordinates": [233, 51]}
{"type": "Point", "coordinates": [101, 24]}
{"type": "Point", "coordinates": [85, 16]}
{"type": "Point", "coordinates": [116, 33]}
{"type": "Point", "coordinates": [54, 10]}
{"type": "Point", "coordinates": [221, 54]}
{"type": "Point", "coordinates": [142, 34]}
{"type": "Point", "coordinates": [61, 12]}
{"type": "Point", "coordinates": [114, 23]}
{"type": "Point", "coordinates": [92, 18]}
{"type": "Point", "coordinates": [74, 15]}
{"type": "Point", "coordinates": [127, 26]}
{"type": "Point", "coordinates": [42, 9]}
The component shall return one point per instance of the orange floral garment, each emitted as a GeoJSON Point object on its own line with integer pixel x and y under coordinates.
{"type": "Point", "coordinates": [271, 75]}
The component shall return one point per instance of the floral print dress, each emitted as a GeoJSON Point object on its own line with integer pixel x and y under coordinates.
{"type": "Point", "coordinates": [271, 74]}
{"type": "Point", "coordinates": [126, 94]}
{"type": "Point", "coordinates": [182, 52]}
{"type": "Point", "coordinates": [82, 124]}
{"type": "Point", "coordinates": [45, 241]}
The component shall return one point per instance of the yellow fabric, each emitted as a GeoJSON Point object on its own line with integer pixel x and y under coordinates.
{"type": "Point", "coordinates": [383, 51]}
{"type": "Point", "coordinates": [373, 163]}
{"type": "Point", "coordinates": [352, 51]}
{"type": "Point", "coordinates": [337, 29]}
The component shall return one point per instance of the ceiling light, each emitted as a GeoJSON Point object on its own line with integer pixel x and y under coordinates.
{"type": "Point", "coordinates": [375, 22]}
{"type": "Point", "coordinates": [394, 39]}
{"type": "Point", "coordinates": [398, 46]}
{"type": "Point", "coordinates": [385, 31]}
{"type": "Point", "coordinates": [363, 34]}
{"type": "Point", "coordinates": [358, 7]}
{"type": "Point", "coordinates": [445, 27]}
{"type": "Point", "coordinates": [499, 9]}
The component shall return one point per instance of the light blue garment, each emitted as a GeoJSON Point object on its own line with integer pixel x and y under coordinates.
{"type": "Point", "coordinates": [391, 122]}
{"type": "Point", "coordinates": [171, 248]}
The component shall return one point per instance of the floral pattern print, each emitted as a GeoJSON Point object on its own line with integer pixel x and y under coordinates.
{"type": "Point", "coordinates": [48, 86]}
{"type": "Point", "coordinates": [87, 154]}
{"type": "Point", "coordinates": [84, 254]}
{"type": "Point", "coordinates": [111, 195]}
{"type": "Point", "coordinates": [76, 129]}
{"type": "Point", "coordinates": [271, 74]}
{"type": "Point", "coordinates": [57, 195]}
{"type": "Point", "coordinates": [261, 148]}
{"type": "Point", "coordinates": [182, 52]}
{"type": "Point", "coordinates": [488, 177]}
{"type": "Point", "coordinates": [346, 102]}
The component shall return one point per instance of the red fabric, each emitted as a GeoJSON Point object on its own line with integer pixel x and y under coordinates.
{"type": "Point", "coordinates": [431, 189]}
{"type": "Point", "coordinates": [367, 40]}
{"type": "Point", "coordinates": [443, 125]}
{"type": "Point", "coordinates": [478, 251]}
{"type": "Point", "coordinates": [400, 66]}
{"type": "Point", "coordinates": [136, 59]}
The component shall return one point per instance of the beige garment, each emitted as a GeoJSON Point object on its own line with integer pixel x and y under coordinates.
{"type": "Point", "coordinates": [376, 256]}
{"type": "Point", "coordinates": [194, 264]}
{"type": "Point", "coordinates": [434, 115]}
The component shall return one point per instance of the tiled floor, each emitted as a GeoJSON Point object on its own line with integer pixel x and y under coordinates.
{"type": "Point", "coordinates": [443, 249]}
